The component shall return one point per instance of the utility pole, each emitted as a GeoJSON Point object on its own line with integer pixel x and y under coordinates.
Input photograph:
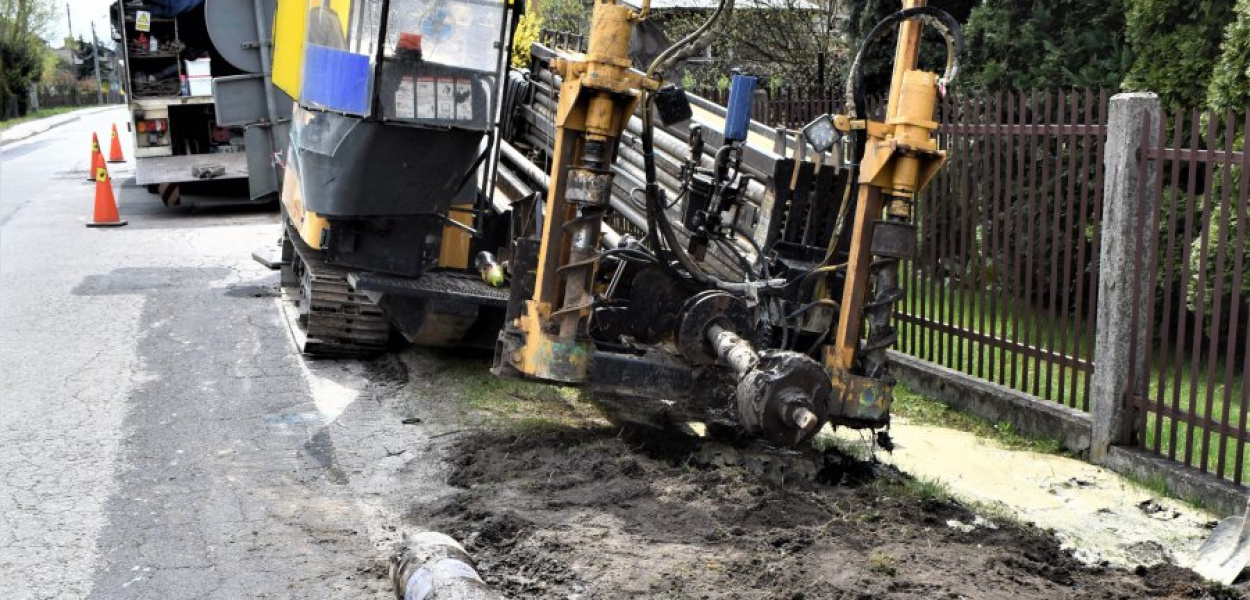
{"type": "Point", "coordinates": [95, 58]}
{"type": "Point", "coordinates": [69, 21]}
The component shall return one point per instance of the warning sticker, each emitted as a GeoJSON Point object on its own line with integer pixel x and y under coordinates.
{"type": "Point", "coordinates": [446, 99]}
{"type": "Point", "coordinates": [464, 100]}
{"type": "Point", "coordinates": [143, 20]}
{"type": "Point", "coordinates": [426, 98]}
{"type": "Point", "coordinates": [405, 99]}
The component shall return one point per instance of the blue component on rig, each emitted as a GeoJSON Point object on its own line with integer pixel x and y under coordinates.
{"type": "Point", "coordinates": [738, 113]}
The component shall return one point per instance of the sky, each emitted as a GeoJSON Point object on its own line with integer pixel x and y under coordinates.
{"type": "Point", "coordinates": [83, 13]}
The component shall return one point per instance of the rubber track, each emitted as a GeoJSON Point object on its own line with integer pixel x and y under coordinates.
{"type": "Point", "coordinates": [340, 321]}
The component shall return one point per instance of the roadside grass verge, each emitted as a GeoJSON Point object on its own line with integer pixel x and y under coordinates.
{"type": "Point", "coordinates": [924, 410]}
{"type": "Point", "coordinates": [928, 411]}
{"type": "Point", "coordinates": [39, 114]}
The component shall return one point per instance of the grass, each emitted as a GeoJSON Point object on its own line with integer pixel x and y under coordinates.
{"type": "Point", "coordinates": [1005, 320]}
{"type": "Point", "coordinates": [38, 114]}
{"type": "Point", "coordinates": [880, 562]}
{"type": "Point", "coordinates": [1169, 379]}
{"type": "Point", "coordinates": [928, 411]}
{"type": "Point", "coordinates": [925, 490]}
{"type": "Point", "coordinates": [1191, 443]}
{"type": "Point", "coordinates": [516, 404]}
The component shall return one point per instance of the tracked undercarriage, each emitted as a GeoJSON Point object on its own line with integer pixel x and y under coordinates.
{"type": "Point", "coordinates": [326, 316]}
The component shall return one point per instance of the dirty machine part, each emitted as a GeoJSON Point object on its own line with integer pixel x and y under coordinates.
{"type": "Point", "coordinates": [739, 300]}
{"type": "Point", "coordinates": [325, 315]}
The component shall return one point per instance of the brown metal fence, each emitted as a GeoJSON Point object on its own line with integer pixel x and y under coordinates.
{"type": "Point", "coordinates": [1190, 402]}
{"type": "Point", "coordinates": [1004, 286]}
{"type": "Point", "coordinates": [785, 107]}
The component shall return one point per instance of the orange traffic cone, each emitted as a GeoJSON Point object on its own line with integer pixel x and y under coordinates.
{"type": "Point", "coordinates": [115, 148]}
{"type": "Point", "coordinates": [97, 159]}
{"type": "Point", "coordinates": [105, 206]}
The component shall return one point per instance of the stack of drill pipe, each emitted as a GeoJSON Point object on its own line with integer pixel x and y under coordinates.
{"type": "Point", "coordinates": [666, 143]}
{"type": "Point", "coordinates": [671, 153]}
{"type": "Point", "coordinates": [519, 178]}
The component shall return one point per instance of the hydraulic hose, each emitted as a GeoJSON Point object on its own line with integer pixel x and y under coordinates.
{"type": "Point", "coordinates": [657, 220]}
{"type": "Point", "coordinates": [940, 20]}
{"type": "Point", "coordinates": [693, 37]}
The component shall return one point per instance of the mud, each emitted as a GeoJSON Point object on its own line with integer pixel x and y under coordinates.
{"type": "Point", "coordinates": [573, 513]}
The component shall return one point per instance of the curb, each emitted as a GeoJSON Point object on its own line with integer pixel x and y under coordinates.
{"type": "Point", "coordinates": [71, 117]}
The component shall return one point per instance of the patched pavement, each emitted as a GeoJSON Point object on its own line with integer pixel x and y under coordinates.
{"type": "Point", "coordinates": [159, 436]}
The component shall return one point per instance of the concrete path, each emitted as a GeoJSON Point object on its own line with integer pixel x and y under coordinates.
{"type": "Point", "coordinates": [1098, 514]}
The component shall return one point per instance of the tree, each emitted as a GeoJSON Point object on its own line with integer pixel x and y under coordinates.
{"type": "Point", "coordinates": [1230, 81]}
{"type": "Point", "coordinates": [22, 23]}
{"type": "Point", "coordinates": [527, 30]}
{"type": "Point", "coordinates": [1046, 44]}
{"type": "Point", "coordinates": [786, 42]}
{"type": "Point", "coordinates": [84, 66]}
{"type": "Point", "coordinates": [569, 16]}
{"type": "Point", "coordinates": [1175, 47]}
{"type": "Point", "coordinates": [1228, 89]}
{"type": "Point", "coordinates": [879, 61]}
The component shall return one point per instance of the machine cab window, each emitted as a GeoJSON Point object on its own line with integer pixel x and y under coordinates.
{"type": "Point", "coordinates": [440, 61]}
{"type": "Point", "coordinates": [438, 65]}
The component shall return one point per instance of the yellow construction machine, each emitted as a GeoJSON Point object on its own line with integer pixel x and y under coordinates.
{"type": "Point", "coordinates": [754, 295]}
{"type": "Point", "coordinates": [388, 214]}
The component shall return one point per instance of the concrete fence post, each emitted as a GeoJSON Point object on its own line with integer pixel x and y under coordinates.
{"type": "Point", "coordinates": [1121, 266]}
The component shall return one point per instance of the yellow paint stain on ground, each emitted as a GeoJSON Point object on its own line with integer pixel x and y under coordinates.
{"type": "Point", "coordinates": [1095, 512]}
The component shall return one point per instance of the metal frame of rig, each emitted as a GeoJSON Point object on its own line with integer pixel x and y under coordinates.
{"type": "Point", "coordinates": [699, 318]}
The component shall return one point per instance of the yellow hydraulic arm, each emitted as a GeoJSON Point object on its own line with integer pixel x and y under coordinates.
{"type": "Point", "coordinates": [598, 95]}
{"type": "Point", "coordinates": [898, 159]}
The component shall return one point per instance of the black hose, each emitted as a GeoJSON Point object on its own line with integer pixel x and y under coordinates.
{"type": "Point", "coordinates": [476, 163]}
{"type": "Point", "coordinates": [517, 91]}
{"type": "Point", "coordinates": [810, 305]}
{"type": "Point", "coordinates": [630, 255]}
{"type": "Point", "coordinates": [936, 17]}
{"type": "Point", "coordinates": [657, 219]}
{"type": "Point", "coordinates": [759, 252]}
{"type": "Point", "coordinates": [748, 271]}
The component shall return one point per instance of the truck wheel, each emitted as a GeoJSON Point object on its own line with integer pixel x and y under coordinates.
{"type": "Point", "coordinates": [153, 188]}
{"type": "Point", "coordinates": [170, 194]}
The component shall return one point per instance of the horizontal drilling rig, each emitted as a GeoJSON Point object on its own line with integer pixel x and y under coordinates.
{"type": "Point", "coordinates": [707, 268]}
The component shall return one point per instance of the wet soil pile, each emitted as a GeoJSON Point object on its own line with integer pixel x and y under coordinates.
{"type": "Point", "coordinates": [573, 513]}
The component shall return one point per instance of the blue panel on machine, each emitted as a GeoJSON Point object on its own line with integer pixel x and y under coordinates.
{"type": "Point", "coordinates": [738, 110]}
{"type": "Point", "coordinates": [336, 79]}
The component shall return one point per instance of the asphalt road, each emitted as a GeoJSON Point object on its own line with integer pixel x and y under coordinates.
{"type": "Point", "coordinates": [159, 436]}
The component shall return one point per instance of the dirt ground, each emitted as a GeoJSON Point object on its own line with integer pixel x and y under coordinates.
{"type": "Point", "coordinates": [555, 503]}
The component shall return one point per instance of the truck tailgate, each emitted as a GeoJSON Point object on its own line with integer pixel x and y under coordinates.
{"type": "Point", "coordinates": [176, 169]}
